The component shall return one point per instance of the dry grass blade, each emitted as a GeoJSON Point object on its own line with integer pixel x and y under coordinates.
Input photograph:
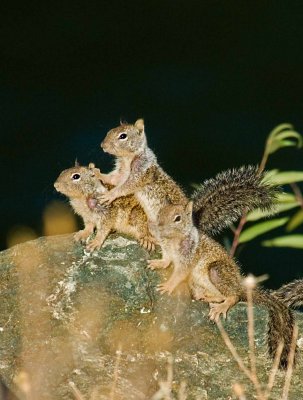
{"type": "Point", "coordinates": [116, 373]}
{"type": "Point", "coordinates": [165, 389]}
{"type": "Point", "coordinates": [76, 391]}
{"type": "Point", "coordinates": [291, 358]}
{"type": "Point", "coordinates": [239, 391]}
{"type": "Point", "coordinates": [274, 370]}
{"type": "Point", "coordinates": [250, 283]}
{"type": "Point", "coordinates": [182, 391]}
{"type": "Point", "coordinates": [233, 351]}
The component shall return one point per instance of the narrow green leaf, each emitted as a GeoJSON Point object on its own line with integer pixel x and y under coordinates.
{"type": "Point", "coordinates": [280, 128]}
{"type": "Point", "coordinates": [290, 134]}
{"type": "Point", "coordinates": [295, 241]}
{"type": "Point", "coordinates": [282, 178]}
{"type": "Point", "coordinates": [286, 198]}
{"type": "Point", "coordinates": [260, 228]}
{"type": "Point", "coordinates": [258, 214]}
{"type": "Point", "coordinates": [295, 221]}
{"type": "Point", "coordinates": [269, 174]}
{"type": "Point", "coordinates": [281, 137]}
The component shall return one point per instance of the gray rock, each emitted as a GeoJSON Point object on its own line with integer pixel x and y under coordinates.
{"type": "Point", "coordinates": [92, 326]}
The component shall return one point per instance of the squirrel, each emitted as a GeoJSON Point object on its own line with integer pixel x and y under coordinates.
{"type": "Point", "coordinates": [291, 293]}
{"type": "Point", "coordinates": [81, 185]}
{"type": "Point", "coordinates": [216, 203]}
{"type": "Point", "coordinates": [214, 277]}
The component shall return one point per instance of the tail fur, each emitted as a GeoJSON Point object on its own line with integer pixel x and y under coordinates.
{"type": "Point", "coordinates": [220, 201]}
{"type": "Point", "coordinates": [291, 294]}
{"type": "Point", "coordinates": [281, 324]}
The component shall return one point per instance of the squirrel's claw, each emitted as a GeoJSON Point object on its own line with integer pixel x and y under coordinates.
{"type": "Point", "coordinates": [164, 288]}
{"type": "Point", "coordinates": [216, 309]}
{"type": "Point", "coordinates": [81, 236]}
{"type": "Point", "coordinates": [147, 243]}
{"type": "Point", "coordinates": [106, 198]}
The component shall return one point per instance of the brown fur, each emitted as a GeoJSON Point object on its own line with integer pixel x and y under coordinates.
{"type": "Point", "coordinates": [138, 172]}
{"type": "Point", "coordinates": [124, 215]}
{"type": "Point", "coordinates": [215, 278]}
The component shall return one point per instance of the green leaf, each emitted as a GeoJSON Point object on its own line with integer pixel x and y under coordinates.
{"type": "Point", "coordinates": [280, 128]}
{"type": "Point", "coordinates": [290, 134]}
{"type": "Point", "coordinates": [295, 241]}
{"type": "Point", "coordinates": [269, 174]}
{"type": "Point", "coordinates": [279, 138]}
{"type": "Point", "coordinates": [295, 221]}
{"type": "Point", "coordinates": [282, 178]}
{"type": "Point", "coordinates": [260, 228]}
{"type": "Point", "coordinates": [285, 201]}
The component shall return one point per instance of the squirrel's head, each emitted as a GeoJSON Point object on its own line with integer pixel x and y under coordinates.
{"type": "Point", "coordinates": [175, 220]}
{"type": "Point", "coordinates": [78, 181]}
{"type": "Point", "coordinates": [125, 140]}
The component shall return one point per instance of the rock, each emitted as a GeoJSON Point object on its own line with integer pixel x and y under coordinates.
{"type": "Point", "coordinates": [76, 325]}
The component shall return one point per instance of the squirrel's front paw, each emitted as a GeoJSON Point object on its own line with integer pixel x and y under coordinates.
{"type": "Point", "coordinates": [95, 244]}
{"type": "Point", "coordinates": [165, 287]}
{"type": "Point", "coordinates": [216, 309]}
{"type": "Point", "coordinates": [148, 243]}
{"type": "Point", "coordinates": [157, 264]}
{"type": "Point", "coordinates": [81, 236]}
{"type": "Point", "coordinates": [107, 198]}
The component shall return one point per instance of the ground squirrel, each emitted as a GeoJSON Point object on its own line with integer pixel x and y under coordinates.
{"type": "Point", "coordinates": [214, 277]}
{"type": "Point", "coordinates": [81, 185]}
{"type": "Point", "coordinates": [217, 202]}
{"type": "Point", "coordinates": [291, 293]}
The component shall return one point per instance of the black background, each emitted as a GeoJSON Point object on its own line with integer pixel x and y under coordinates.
{"type": "Point", "coordinates": [210, 78]}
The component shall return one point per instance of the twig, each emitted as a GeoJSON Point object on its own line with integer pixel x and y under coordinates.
{"type": "Point", "coordinates": [274, 370]}
{"type": "Point", "coordinates": [239, 391]}
{"type": "Point", "coordinates": [250, 327]}
{"type": "Point", "coordinates": [182, 391]}
{"type": "Point", "coordinates": [116, 372]}
{"type": "Point", "coordinates": [298, 193]}
{"type": "Point", "coordinates": [238, 231]}
{"type": "Point", "coordinates": [233, 351]}
{"type": "Point", "coordinates": [290, 363]}
{"type": "Point", "coordinates": [164, 391]}
{"type": "Point", "coordinates": [76, 391]}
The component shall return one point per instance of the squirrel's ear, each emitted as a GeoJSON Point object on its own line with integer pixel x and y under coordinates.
{"type": "Point", "coordinates": [123, 122]}
{"type": "Point", "coordinates": [77, 163]}
{"type": "Point", "coordinates": [91, 165]}
{"type": "Point", "coordinates": [189, 208]}
{"type": "Point", "coordinates": [139, 124]}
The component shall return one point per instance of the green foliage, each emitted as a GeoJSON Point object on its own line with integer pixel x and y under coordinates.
{"type": "Point", "coordinates": [286, 177]}
{"type": "Point", "coordinates": [295, 241]}
{"type": "Point", "coordinates": [282, 136]}
{"type": "Point", "coordinates": [260, 228]}
{"type": "Point", "coordinates": [295, 221]}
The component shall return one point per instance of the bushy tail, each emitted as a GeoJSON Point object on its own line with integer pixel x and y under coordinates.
{"type": "Point", "coordinates": [291, 294]}
{"type": "Point", "coordinates": [280, 325]}
{"type": "Point", "coordinates": [220, 201]}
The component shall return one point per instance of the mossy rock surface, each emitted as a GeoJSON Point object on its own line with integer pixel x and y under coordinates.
{"type": "Point", "coordinates": [72, 321]}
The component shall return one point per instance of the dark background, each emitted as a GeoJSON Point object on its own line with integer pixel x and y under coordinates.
{"type": "Point", "coordinates": [210, 78]}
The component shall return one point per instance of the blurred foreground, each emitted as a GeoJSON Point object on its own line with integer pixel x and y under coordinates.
{"type": "Point", "coordinates": [75, 325]}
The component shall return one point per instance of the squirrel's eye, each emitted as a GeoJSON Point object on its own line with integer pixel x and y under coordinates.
{"type": "Point", "coordinates": [177, 218]}
{"type": "Point", "coordinates": [76, 177]}
{"type": "Point", "coordinates": [123, 136]}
